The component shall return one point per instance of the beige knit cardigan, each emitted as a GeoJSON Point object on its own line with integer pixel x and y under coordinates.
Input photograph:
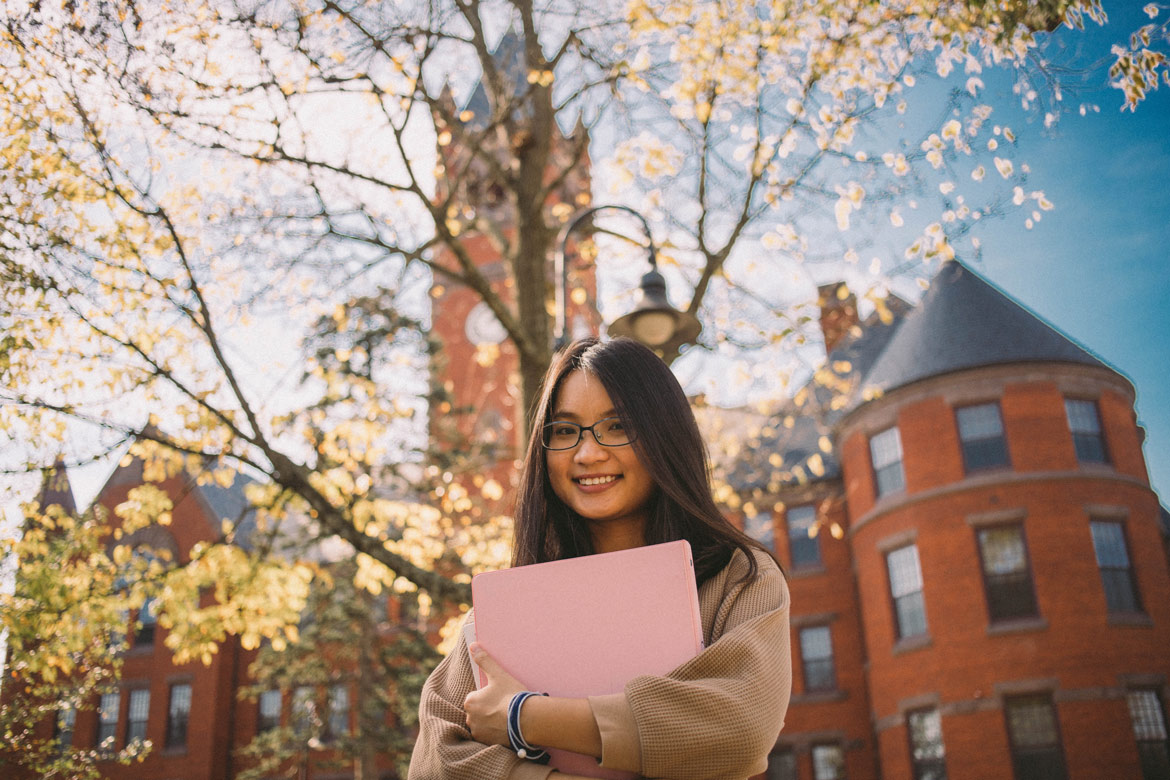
{"type": "Point", "coordinates": [716, 717]}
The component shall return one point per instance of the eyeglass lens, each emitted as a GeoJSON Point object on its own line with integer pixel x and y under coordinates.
{"type": "Point", "coordinates": [610, 432]}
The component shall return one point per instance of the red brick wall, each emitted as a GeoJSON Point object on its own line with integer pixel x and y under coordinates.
{"type": "Point", "coordinates": [825, 596]}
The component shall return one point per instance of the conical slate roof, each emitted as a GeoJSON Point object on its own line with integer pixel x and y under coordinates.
{"type": "Point", "coordinates": [56, 489]}
{"type": "Point", "coordinates": [509, 57]}
{"type": "Point", "coordinates": [965, 322]}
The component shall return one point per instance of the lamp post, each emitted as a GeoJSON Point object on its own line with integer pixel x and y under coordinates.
{"type": "Point", "coordinates": [654, 322]}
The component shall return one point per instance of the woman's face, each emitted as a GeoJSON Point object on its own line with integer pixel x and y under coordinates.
{"type": "Point", "coordinates": [608, 486]}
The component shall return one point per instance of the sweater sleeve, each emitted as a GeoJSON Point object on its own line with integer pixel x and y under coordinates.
{"type": "Point", "coordinates": [445, 749]}
{"type": "Point", "coordinates": [729, 701]}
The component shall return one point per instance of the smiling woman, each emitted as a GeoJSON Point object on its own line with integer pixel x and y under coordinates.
{"type": "Point", "coordinates": [616, 461]}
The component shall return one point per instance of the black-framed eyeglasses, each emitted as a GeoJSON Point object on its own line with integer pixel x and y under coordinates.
{"type": "Point", "coordinates": [562, 435]}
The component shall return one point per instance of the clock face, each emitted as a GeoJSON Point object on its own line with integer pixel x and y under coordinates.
{"type": "Point", "coordinates": [482, 327]}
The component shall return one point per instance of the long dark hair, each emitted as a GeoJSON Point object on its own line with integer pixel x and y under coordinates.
{"type": "Point", "coordinates": [648, 397]}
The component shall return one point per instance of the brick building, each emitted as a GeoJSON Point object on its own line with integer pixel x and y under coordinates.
{"type": "Point", "coordinates": [977, 563]}
{"type": "Point", "coordinates": [196, 715]}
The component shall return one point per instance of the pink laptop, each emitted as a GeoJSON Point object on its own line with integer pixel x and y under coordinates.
{"type": "Point", "coordinates": [586, 626]}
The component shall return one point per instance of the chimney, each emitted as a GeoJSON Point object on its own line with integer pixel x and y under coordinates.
{"type": "Point", "coordinates": [838, 313]}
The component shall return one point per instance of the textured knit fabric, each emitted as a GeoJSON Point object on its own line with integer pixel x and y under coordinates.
{"type": "Point", "coordinates": [714, 718]}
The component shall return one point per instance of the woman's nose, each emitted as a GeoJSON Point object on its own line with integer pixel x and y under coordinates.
{"type": "Point", "coordinates": [589, 451]}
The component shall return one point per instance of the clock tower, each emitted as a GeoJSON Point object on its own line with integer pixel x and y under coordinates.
{"type": "Point", "coordinates": [477, 366]}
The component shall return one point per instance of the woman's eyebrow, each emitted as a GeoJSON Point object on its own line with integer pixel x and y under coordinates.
{"type": "Point", "coordinates": [565, 414]}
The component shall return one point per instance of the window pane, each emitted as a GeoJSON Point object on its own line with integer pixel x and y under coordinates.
{"type": "Point", "coordinates": [1082, 416]}
{"type": "Point", "coordinates": [816, 655]}
{"type": "Point", "coordinates": [147, 619]}
{"type": "Point", "coordinates": [338, 710]}
{"type": "Point", "coordinates": [1120, 595]}
{"type": "Point", "coordinates": [108, 718]}
{"type": "Point", "coordinates": [139, 712]}
{"type": "Point", "coordinates": [1032, 722]}
{"type": "Point", "coordinates": [1002, 550]}
{"type": "Point", "coordinates": [905, 573]}
{"type": "Point", "coordinates": [1116, 574]}
{"type": "Point", "coordinates": [759, 527]}
{"type": "Point", "coordinates": [1155, 760]}
{"type": "Point", "coordinates": [979, 422]}
{"type": "Point", "coordinates": [269, 710]}
{"type": "Point", "coordinates": [1149, 722]}
{"type": "Point", "coordinates": [1085, 426]}
{"type": "Point", "coordinates": [885, 449]}
{"type": "Point", "coordinates": [803, 547]}
{"type": "Point", "coordinates": [782, 765]}
{"type": "Point", "coordinates": [926, 745]}
{"type": "Point", "coordinates": [1011, 597]}
{"type": "Point", "coordinates": [1006, 573]}
{"type": "Point", "coordinates": [984, 454]}
{"type": "Point", "coordinates": [890, 479]}
{"type": "Point", "coordinates": [1109, 544]}
{"type": "Point", "coordinates": [178, 715]}
{"type": "Point", "coordinates": [911, 612]}
{"type": "Point", "coordinates": [304, 709]}
{"type": "Point", "coordinates": [63, 728]}
{"type": "Point", "coordinates": [828, 762]}
{"type": "Point", "coordinates": [816, 642]}
{"type": "Point", "coordinates": [982, 437]}
{"type": "Point", "coordinates": [1035, 739]}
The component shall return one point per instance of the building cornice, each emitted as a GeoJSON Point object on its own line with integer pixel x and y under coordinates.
{"type": "Point", "coordinates": [975, 385]}
{"type": "Point", "coordinates": [1007, 479]}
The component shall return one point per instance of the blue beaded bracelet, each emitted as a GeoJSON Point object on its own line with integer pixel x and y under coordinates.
{"type": "Point", "coordinates": [522, 748]}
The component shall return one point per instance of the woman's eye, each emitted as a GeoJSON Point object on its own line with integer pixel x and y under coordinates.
{"type": "Point", "coordinates": [565, 430]}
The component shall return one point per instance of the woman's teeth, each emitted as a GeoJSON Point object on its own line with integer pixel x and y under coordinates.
{"type": "Point", "coordinates": [596, 480]}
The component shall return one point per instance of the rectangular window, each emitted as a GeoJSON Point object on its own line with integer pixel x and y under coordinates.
{"type": "Point", "coordinates": [981, 437]}
{"type": "Point", "coordinates": [147, 621]}
{"type": "Point", "coordinates": [1007, 576]}
{"type": "Point", "coordinates": [906, 590]}
{"type": "Point", "coordinates": [139, 713]}
{"type": "Point", "coordinates": [828, 762]}
{"type": "Point", "coordinates": [1116, 573]}
{"type": "Point", "coordinates": [816, 657]}
{"type": "Point", "coordinates": [782, 765]}
{"type": "Point", "coordinates": [927, 756]}
{"type": "Point", "coordinates": [63, 728]}
{"type": "Point", "coordinates": [803, 547]}
{"type": "Point", "coordinates": [304, 710]}
{"type": "Point", "coordinates": [178, 715]}
{"type": "Point", "coordinates": [338, 724]}
{"type": "Point", "coordinates": [1149, 727]}
{"type": "Point", "coordinates": [269, 717]}
{"type": "Point", "coordinates": [107, 729]}
{"type": "Point", "coordinates": [1034, 737]}
{"type": "Point", "coordinates": [759, 527]}
{"type": "Point", "coordinates": [885, 449]}
{"type": "Point", "coordinates": [1085, 425]}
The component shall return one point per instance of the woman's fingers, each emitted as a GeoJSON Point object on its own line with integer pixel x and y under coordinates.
{"type": "Point", "coordinates": [495, 673]}
{"type": "Point", "coordinates": [487, 708]}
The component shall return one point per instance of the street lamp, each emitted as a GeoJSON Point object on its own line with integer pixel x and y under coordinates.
{"type": "Point", "coordinates": [654, 322]}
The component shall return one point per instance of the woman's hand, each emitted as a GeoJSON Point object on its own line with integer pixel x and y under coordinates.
{"type": "Point", "coordinates": [487, 708]}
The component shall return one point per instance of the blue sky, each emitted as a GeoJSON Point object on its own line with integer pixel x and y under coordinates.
{"type": "Point", "coordinates": [1098, 265]}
